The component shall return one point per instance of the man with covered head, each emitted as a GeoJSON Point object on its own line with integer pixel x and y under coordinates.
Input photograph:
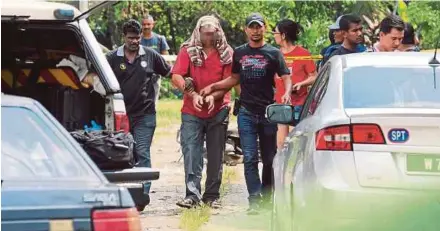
{"type": "Point", "coordinates": [205, 58]}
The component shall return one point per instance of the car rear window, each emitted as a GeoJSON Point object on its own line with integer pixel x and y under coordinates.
{"type": "Point", "coordinates": [31, 149]}
{"type": "Point", "coordinates": [391, 87]}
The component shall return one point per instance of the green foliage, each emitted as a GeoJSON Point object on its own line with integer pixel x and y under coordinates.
{"type": "Point", "coordinates": [428, 20]}
{"type": "Point", "coordinates": [177, 19]}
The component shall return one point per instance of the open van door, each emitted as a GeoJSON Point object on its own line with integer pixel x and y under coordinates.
{"type": "Point", "coordinates": [96, 8]}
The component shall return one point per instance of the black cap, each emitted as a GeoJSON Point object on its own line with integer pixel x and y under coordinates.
{"type": "Point", "coordinates": [255, 17]}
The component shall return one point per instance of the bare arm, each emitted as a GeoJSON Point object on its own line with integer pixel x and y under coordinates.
{"type": "Point", "coordinates": [287, 83]}
{"type": "Point", "coordinates": [227, 83]}
{"type": "Point", "coordinates": [219, 94]}
{"type": "Point", "coordinates": [178, 81]}
{"type": "Point", "coordinates": [237, 89]}
{"type": "Point", "coordinates": [310, 79]}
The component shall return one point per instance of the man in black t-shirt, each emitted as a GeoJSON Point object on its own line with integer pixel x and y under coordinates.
{"type": "Point", "coordinates": [254, 67]}
{"type": "Point", "coordinates": [351, 28]}
{"type": "Point", "coordinates": [134, 66]}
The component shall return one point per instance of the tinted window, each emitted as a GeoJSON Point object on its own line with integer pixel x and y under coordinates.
{"type": "Point", "coordinates": [32, 150]}
{"type": "Point", "coordinates": [380, 87]}
{"type": "Point", "coordinates": [317, 92]}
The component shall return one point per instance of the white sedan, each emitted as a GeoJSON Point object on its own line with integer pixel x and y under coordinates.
{"type": "Point", "coordinates": [365, 150]}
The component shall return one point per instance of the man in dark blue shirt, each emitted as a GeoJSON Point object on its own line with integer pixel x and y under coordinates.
{"type": "Point", "coordinates": [152, 40]}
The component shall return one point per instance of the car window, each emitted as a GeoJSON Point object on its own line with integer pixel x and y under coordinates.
{"type": "Point", "coordinates": [408, 87]}
{"type": "Point", "coordinates": [30, 149]}
{"type": "Point", "coordinates": [317, 92]}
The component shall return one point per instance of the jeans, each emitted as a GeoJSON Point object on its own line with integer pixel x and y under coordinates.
{"type": "Point", "coordinates": [253, 127]}
{"type": "Point", "coordinates": [143, 128]}
{"type": "Point", "coordinates": [193, 132]}
{"type": "Point", "coordinates": [297, 111]}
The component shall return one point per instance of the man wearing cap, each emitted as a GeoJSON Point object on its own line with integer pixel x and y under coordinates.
{"type": "Point", "coordinates": [351, 28]}
{"type": "Point", "coordinates": [254, 67]}
{"type": "Point", "coordinates": [134, 66]}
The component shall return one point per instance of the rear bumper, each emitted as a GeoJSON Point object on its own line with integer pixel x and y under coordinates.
{"type": "Point", "coordinates": [371, 209]}
{"type": "Point", "coordinates": [133, 175]}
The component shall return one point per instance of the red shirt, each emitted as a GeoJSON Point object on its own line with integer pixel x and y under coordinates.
{"type": "Point", "coordinates": [210, 72]}
{"type": "Point", "coordinates": [300, 70]}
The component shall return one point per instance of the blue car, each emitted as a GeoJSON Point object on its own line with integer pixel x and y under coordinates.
{"type": "Point", "coordinates": [50, 183]}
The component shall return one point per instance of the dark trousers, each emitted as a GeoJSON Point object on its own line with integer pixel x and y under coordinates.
{"type": "Point", "coordinates": [143, 128]}
{"type": "Point", "coordinates": [252, 127]}
{"type": "Point", "coordinates": [193, 132]}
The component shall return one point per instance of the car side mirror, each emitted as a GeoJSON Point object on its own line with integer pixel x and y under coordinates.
{"type": "Point", "coordinates": [282, 114]}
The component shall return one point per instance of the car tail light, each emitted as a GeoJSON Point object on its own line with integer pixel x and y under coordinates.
{"type": "Point", "coordinates": [121, 122]}
{"type": "Point", "coordinates": [342, 137]}
{"type": "Point", "coordinates": [334, 138]}
{"type": "Point", "coordinates": [116, 219]}
{"type": "Point", "coordinates": [367, 134]}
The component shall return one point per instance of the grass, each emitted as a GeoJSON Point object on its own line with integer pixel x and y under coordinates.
{"type": "Point", "coordinates": [168, 117]}
{"type": "Point", "coordinates": [193, 219]}
{"type": "Point", "coordinates": [229, 176]}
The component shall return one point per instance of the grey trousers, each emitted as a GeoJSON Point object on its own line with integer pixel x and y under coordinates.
{"type": "Point", "coordinates": [192, 136]}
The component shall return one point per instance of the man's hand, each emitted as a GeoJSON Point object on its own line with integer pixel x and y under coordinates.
{"type": "Point", "coordinates": [207, 90]}
{"type": "Point", "coordinates": [296, 87]}
{"type": "Point", "coordinates": [285, 98]}
{"type": "Point", "coordinates": [210, 101]}
{"type": "Point", "coordinates": [197, 101]}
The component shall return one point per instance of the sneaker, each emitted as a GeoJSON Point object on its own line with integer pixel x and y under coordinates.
{"type": "Point", "coordinates": [253, 210]}
{"type": "Point", "coordinates": [187, 203]}
{"type": "Point", "coordinates": [215, 204]}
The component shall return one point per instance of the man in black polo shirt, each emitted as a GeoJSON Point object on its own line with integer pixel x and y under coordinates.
{"type": "Point", "coordinates": [351, 28]}
{"type": "Point", "coordinates": [134, 66]}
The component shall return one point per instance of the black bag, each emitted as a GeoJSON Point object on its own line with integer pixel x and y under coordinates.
{"type": "Point", "coordinates": [109, 150]}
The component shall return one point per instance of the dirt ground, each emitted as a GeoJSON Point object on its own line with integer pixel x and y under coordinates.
{"type": "Point", "coordinates": [163, 214]}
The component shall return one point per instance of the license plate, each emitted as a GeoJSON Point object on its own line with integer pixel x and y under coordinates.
{"type": "Point", "coordinates": [423, 163]}
{"type": "Point", "coordinates": [60, 225]}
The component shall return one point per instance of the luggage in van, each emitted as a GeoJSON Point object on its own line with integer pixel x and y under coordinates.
{"type": "Point", "coordinates": [70, 107]}
{"type": "Point", "coordinates": [109, 150]}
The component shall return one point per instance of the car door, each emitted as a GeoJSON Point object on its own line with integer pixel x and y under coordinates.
{"type": "Point", "coordinates": [298, 166]}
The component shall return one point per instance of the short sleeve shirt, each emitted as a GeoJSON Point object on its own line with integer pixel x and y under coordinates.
{"type": "Point", "coordinates": [156, 42]}
{"type": "Point", "coordinates": [300, 71]}
{"type": "Point", "coordinates": [136, 79]}
{"type": "Point", "coordinates": [257, 68]}
{"type": "Point", "coordinates": [211, 71]}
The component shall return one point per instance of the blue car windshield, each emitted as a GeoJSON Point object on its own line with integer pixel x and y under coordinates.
{"type": "Point", "coordinates": [391, 87]}
{"type": "Point", "coordinates": [32, 150]}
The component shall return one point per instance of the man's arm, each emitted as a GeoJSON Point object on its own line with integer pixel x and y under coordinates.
{"type": "Point", "coordinates": [227, 83]}
{"type": "Point", "coordinates": [287, 83]}
{"type": "Point", "coordinates": [178, 82]}
{"type": "Point", "coordinates": [161, 67]}
{"type": "Point", "coordinates": [164, 46]}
